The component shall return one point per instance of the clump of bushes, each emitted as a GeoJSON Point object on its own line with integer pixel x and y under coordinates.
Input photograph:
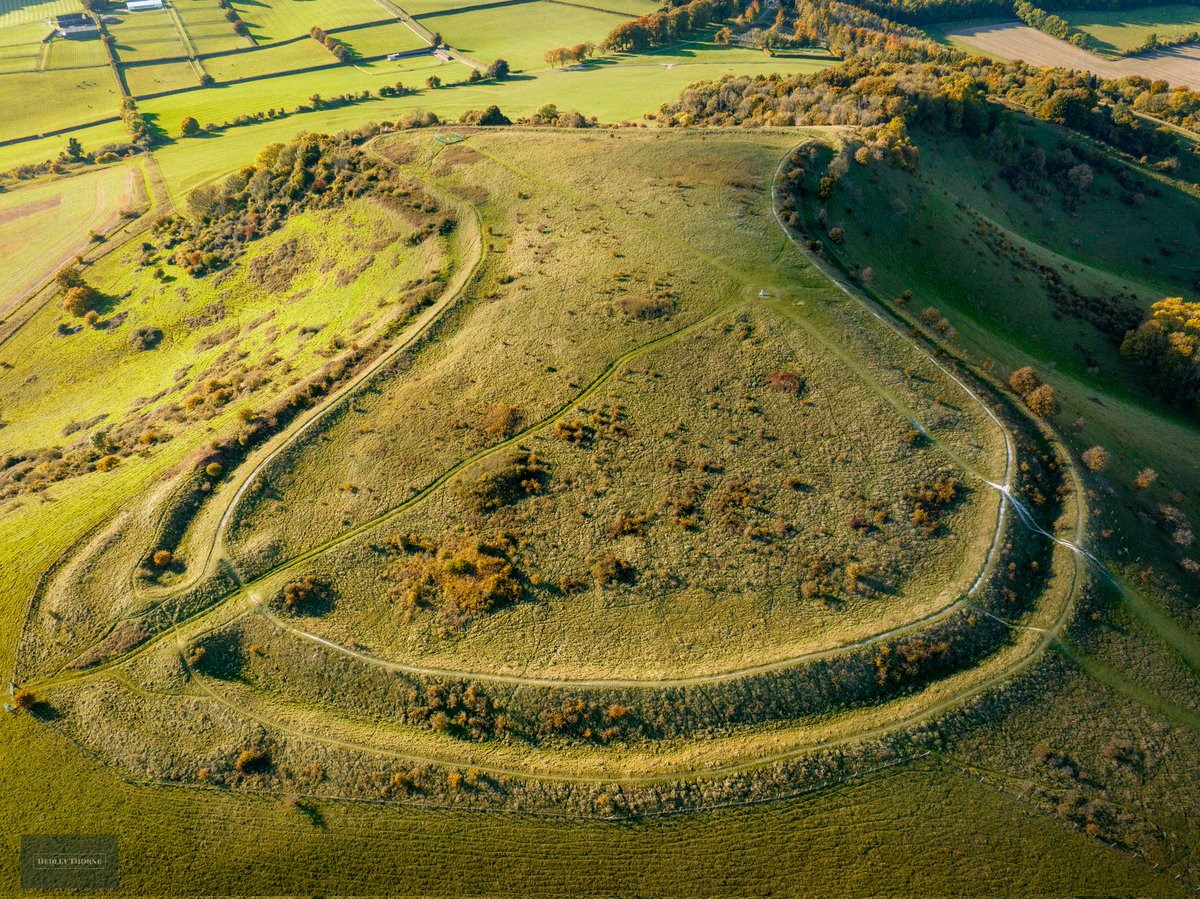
{"type": "Point", "coordinates": [146, 338]}
{"type": "Point", "coordinates": [930, 500]}
{"type": "Point", "coordinates": [459, 580]}
{"type": "Point", "coordinates": [1040, 398]}
{"type": "Point", "coordinates": [254, 760]}
{"type": "Point", "coordinates": [501, 420]}
{"type": "Point", "coordinates": [645, 308]}
{"type": "Point", "coordinates": [307, 596]}
{"type": "Point", "coordinates": [489, 117]}
{"type": "Point", "coordinates": [786, 382]}
{"type": "Point", "coordinates": [502, 480]}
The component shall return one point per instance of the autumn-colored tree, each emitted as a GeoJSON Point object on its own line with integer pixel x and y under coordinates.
{"type": "Point", "coordinates": [1024, 380]}
{"type": "Point", "coordinates": [79, 301]}
{"type": "Point", "coordinates": [1145, 479]}
{"type": "Point", "coordinates": [1097, 458]}
{"type": "Point", "coordinates": [1167, 344]}
{"type": "Point", "coordinates": [189, 127]}
{"type": "Point", "coordinates": [23, 699]}
{"type": "Point", "coordinates": [1042, 402]}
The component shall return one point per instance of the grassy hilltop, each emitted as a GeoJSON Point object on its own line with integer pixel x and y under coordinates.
{"type": "Point", "coordinates": [606, 450]}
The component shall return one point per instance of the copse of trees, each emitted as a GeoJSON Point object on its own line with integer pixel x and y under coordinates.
{"type": "Point", "coordinates": [562, 56]}
{"type": "Point", "coordinates": [313, 171]}
{"type": "Point", "coordinates": [661, 28]}
{"type": "Point", "coordinates": [79, 297]}
{"type": "Point", "coordinates": [232, 17]}
{"type": "Point", "coordinates": [340, 51]}
{"type": "Point", "coordinates": [1167, 348]}
{"type": "Point", "coordinates": [491, 116]}
{"type": "Point", "coordinates": [1053, 25]}
{"type": "Point", "coordinates": [140, 132]}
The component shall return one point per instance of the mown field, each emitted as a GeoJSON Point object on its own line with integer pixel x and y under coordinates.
{"type": "Point", "coordinates": [43, 227]}
{"type": "Point", "coordinates": [35, 102]}
{"type": "Point", "coordinates": [1015, 40]}
{"type": "Point", "coordinates": [486, 34]}
{"type": "Point", "coordinates": [1118, 30]}
{"type": "Point", "coordinates": [159, 77]}
{"type": "Point", "coordinates": [208, 29]}
{"type": "Point", "coordinates": [21, 46]}
{"type": "Point", "coordinates": [148, 34]}
{"type": "Point", "coordinates": [278, 21]}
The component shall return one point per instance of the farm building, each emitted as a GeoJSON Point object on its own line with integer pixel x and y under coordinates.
{"type": "Point", "coordinates": [137, 5]}
{"type": "Point", "coordinates": [76, 24]}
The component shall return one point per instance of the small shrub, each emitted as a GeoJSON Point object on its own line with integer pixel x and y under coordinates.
{"type": "Point", "coordinates": [1024, 381]}
{"type": "Point", "coordinates": [163, 558]}
{"type": "Point", "coordinates": [253, 760]}
{"type": "Point", "coordinates": [146, 338]}
{"type": "Point", "coordinates": [1097, 458]}
{"type": "Point", "coordinates": [786, 382]}
{"type": "Point", "coordinates": [307, 596]}
{"type": "Point", "coordinates": [1042, 402]}
{"type": "Point", "coordinates": [24, 699]}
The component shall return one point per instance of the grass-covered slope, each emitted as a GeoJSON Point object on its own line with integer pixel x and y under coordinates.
{"type": "Point", "coordinates": [1048, 254]}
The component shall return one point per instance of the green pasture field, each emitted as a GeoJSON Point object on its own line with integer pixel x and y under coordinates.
{"type": "Point", "coordinates": [486, 34]}
{"type": "Point", "coordinates": [206, 26]}
{"type": "Point", "coordinates": [24, 12]}
{"type": "Point", "coordinates": [612, 93]}
{"type": "Point", "coordinates": [1001, 310]}
{"type": "Point", "coordinates": [221, 103]}
{"type": "Point", "coordinates": [149, 34]}
{"type": "Point", "coordinates": [21, 46]}
{"type": "Point", "coordinates": [394, 37]}
{"type": "Point", "coordinates": [1126, 29]}
{"type": "Point", "coordinates": [144, 374]}
{"type": "Point", "coordinates": [163, 76]}
{"type": "Point", "coordinates": [71, 54]}
{"type": "Point", "coordinates": [93, 138]}
{"type": "Point", "coordinates": [277, 20]}
{"type": "Point", "coordinates": [266, 61]}
{"type": "Point", "coordinates": [40, 101]}
{"type": "Point", "coordinates": [43, 225]}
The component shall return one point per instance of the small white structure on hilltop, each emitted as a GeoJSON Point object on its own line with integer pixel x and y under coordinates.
{"type": "Point", "coordinates": [139, 5]}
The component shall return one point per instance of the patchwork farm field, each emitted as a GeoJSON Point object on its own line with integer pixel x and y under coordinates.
{"type": "Point", "coordinates": [160, 77]}
{"type": "Point", "coordinates": [145, 35]}
{"type": "Point", "coordinates": [21, 46]}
